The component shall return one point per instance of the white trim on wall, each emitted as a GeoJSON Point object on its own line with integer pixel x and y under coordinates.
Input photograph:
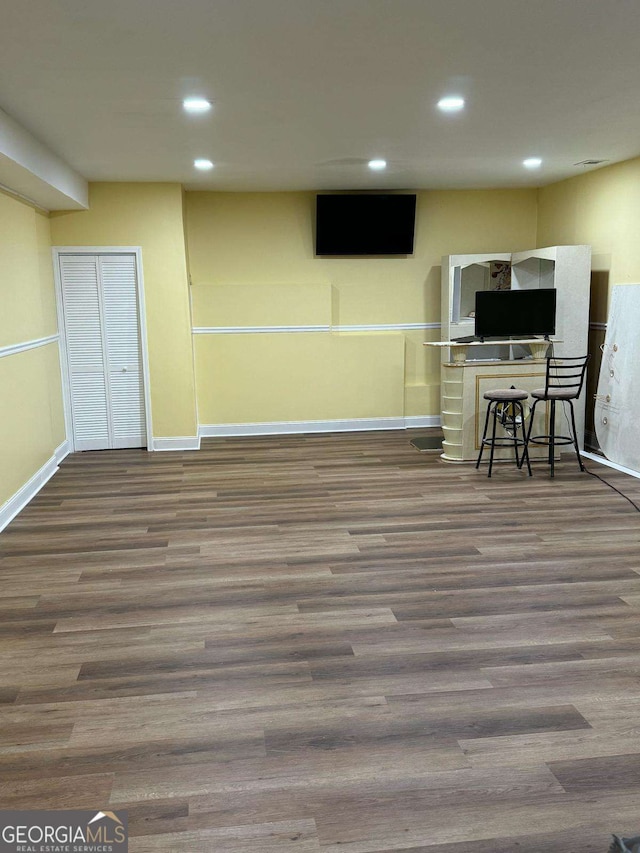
{"type": "Point", "coordinates": [296, 427]}
{"type": "Point", "coordinates": [257, 330]}
{"type": "Point", "coordinates": [34, 171]}
{"type": "Point", "coordinates": [421, 421]}
{"type": "Point", "coordinates": [21, 498]}
{"type": "Point", "coordinates": [386, 327]}
{"type": "Point", "coordinates": [146, 381]}
{"type": "Point", "coordinates": [62, 451]}
{"type": "Point", "coordinates": [604, 461]}
{"type": "Point", "coordinates": [180, 442]}
{"type": "Point", "coordinates": [12, 349]}
{"type": "Point", "coordinates": [25, 198]}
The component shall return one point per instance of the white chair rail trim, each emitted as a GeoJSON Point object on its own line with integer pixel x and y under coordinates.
{"type": "Point", "coordinates": [253, 330]}
{"type": "Point", "coordinates": [13, 349]}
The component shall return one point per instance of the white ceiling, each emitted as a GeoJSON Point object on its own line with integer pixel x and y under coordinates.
{"type": "Point", "coordinates": [307, 91]}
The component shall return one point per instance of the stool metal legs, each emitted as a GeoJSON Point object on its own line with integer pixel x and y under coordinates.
{"type": "Point", "coordinates": [575, 435]}
{"type": "Point", "coordinates": [517, 410]}
{"type": "Point", "coordinates": [552, 436]}
{"type": "Point", "coordinates": [484, 435]}
{"type": "Point", "coordinates": [552, 439]}
{"type": "Point", "coordinates": [525, 446]}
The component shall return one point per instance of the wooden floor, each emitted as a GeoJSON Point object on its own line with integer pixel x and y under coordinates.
{"type": "Point", "coordinates": [325, 643]}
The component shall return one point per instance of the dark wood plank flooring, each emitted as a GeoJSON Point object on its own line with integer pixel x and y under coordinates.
{"type": "Point", "coordinates": [325, 643]}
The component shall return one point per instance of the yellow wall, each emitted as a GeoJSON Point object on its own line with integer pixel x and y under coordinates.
{"type": "Point", "coordinates": [150, 216]}
{"type": "Point", "coordinates": [602, 209]}
{"type": "Point", "coordinates": [32, 421]}
{"type": "Point", "coordinates": [252, 263]}
{"type": "Point", "coordinates": [299, 377]}
{"type": "Point", "coordinates": [28, 305]}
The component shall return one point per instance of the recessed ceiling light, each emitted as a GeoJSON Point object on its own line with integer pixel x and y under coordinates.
{"type": "Point", "coordinates": [196, 105]}
{"type": "Point", "coordinates": [451, 104]}
{"type": "Point", "coordinates": [203, 165]}
{"type": "Point", "coordinates": [377, 165]}
{"type": "Point", "coordinates": [532, 163]}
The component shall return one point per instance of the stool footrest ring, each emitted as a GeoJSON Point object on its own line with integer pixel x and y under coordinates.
{"type": "Point", "coordinates": [503, 442]}
{"type": "Point", "coordinates": [546, 439]}
{"type": "Point", "coordinates": [506, 407]}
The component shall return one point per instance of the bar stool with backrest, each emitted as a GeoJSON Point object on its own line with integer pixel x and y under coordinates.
{"type": "Point", "coordinates": [563, 383]}
{"type": "Point", "coordinates": [506, 406]}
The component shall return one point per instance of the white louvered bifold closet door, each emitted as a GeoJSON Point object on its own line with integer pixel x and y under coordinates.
{"type": "Point", "coordinates": [102, 330]}
{"type": "Point", "coordinates": [124, 356]}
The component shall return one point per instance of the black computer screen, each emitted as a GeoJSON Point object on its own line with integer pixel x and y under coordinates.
{"type": "Point", "coordinates": [515, 313]}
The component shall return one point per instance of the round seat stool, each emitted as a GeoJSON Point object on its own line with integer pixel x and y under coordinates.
{"type": "Point", "coordinates": [506, 406]}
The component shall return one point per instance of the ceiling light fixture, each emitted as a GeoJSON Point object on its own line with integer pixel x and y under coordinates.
{"type": "Point", "coordinates": [196, 105]}
{"type": "Point", "coordinates": [377, 165]}
{"type": "Point", "coordinates": [451, 104]}
{"type": "Point", "coordinates": [203, 165]}
{"type": "Point", "coordinates": [532, 163]}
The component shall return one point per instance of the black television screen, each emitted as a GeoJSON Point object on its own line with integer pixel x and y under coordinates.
{"type": "Point", "coordinates": [365, 224]}
{"type": "Point", "coordinates": [515, 313]}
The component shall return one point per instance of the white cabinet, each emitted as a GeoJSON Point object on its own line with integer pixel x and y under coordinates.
{"type": "Point", "coordinates": [568, 269]}
{"type": "Point", "coordinates": [462, 276]}
{"type": "Point", "coordinates": [565, 268]}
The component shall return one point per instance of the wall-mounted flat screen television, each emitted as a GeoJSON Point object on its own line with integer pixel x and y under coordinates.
{"type": "Point", "coordinates": [515, 313]}
{"type": "Point", "coordinates": [365, 224]}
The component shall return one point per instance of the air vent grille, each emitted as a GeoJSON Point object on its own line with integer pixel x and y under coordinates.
{"type": "Point", "coordinates": [590, 162]}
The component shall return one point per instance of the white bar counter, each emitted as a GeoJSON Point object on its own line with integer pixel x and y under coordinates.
{"type": "Point", "coordinates": [459, 351]}
{"type": "Point", "coordinates": [463, 384]}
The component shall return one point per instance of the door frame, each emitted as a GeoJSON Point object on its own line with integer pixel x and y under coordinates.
{"type": "Point", "coordinates": [57, 251]}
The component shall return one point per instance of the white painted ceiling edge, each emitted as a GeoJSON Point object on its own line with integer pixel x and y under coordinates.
{"type": "Point", "coordinates": [29, 169]}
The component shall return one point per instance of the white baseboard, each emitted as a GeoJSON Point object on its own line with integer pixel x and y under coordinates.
{"type": "Point", "coordinates": [419, 421]}
{"type": "Point", "coordinates": [62, 451]}
{"type": "Point", "coordinates": [179, 442]}
{"type": "Point", "coordinates": [604, 461]}
{"type": "Point", "coordinates": [21, 498]}
{"type": "Point", "coordinates": [296, 427]}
